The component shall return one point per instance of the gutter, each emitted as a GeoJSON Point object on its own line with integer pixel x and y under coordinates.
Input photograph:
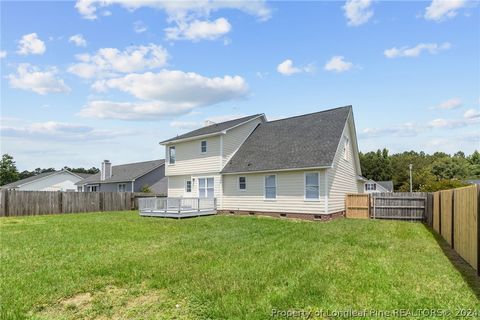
{"type": "Point", "coordinates": [279, 170]}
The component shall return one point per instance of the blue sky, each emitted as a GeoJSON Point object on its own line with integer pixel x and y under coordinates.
{"type": "Point", "coordinates": [86, 81]}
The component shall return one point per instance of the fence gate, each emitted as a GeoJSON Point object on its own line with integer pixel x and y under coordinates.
{"type": "Point", "coordinates": [357, 206]}
{"type": "Point", "coordinates": [400, 205]}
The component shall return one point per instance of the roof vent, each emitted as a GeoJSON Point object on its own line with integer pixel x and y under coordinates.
{"type": "Point", "coordinates": [208, 123]}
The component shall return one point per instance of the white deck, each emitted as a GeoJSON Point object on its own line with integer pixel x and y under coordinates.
{"type": "Point", "coordinates": [176, 207]}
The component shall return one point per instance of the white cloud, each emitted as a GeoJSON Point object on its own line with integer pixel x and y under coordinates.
{"type": "Point", "coordinates": [185, 125]}
{"type": "Point", "coordinates": [450, 104]}
{"type": "Point", "coordinates": [174, 86]}
{"type": "Point", "coordinates": [78, 40]}
{"type": "Point", "coordinates": [440, 10]}
{"type": "Point", "coordinates": [358, 12]}
{"type": "Point", "coordinates": [56, 131]}
{"type": "Point", "coordinates": [139, 27]}
{"type": "Point", "coordinates": [408, 129]}
{"type": "Point", "coordinates": [3, 54]}
{"type": "Point", "coordinates": [338, 64]}
{"type": "Point", "coordinates": [287, 68]}
{"type": "Point", "coordinates": [199, 30]}
{"type": "Point", "coordinates": [42, 82]}
{"type": "Point", "coordinates": [471, 114]}
{"type": "Point", "coordinates": [191, 18]}
{"type": "Point", "coordinates": [411, 52]}
{"type": "Point", "coordinates": [169, 93]}
{"type": "Point", "coordinates": [111, 61]}
{"type": "Point", "coordinates": [31, 44]}
{"type": "Point", "coordinates": [469, 119]}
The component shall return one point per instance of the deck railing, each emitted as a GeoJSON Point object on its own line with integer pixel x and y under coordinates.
{"type": "Point", "coordinates": [176, 205]}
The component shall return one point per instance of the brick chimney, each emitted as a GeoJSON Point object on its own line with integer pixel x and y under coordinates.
{"type": "Point", "coordinates": [106, 170]}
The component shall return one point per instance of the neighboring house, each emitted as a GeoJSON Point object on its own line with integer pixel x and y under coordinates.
{"type": "Point", "coordinates": [378, 186]}
{"type": "Point", "coordinates": [473, 181]}
{"type": "Point", "coordinates": [62, 180]}
{"type": "Point", "coordinates": [127, 178]}
{"type": "Point", "coordinates": [302, 165]}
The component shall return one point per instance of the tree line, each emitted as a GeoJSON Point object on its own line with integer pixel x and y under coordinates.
{"type": "Point", "coordinates": [431, 172]}
{"type": "Point", "coordinates": [9, 172]}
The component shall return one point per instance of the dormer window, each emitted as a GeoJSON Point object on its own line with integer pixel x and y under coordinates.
{"type": "Point", "coordinates": [203, 146]}
{"type": "Point", "coordinates": [171, 155]}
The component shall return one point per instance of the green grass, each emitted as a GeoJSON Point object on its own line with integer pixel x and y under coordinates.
{"type": "Point", "coordinates": [119, 265]}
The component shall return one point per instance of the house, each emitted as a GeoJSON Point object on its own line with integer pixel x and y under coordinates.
{"type": "Point", "coordinates": [299, 167]}
{"type": "Point", "coordinates": [378, 186]}
{"type": "Point", "coordinates": [127, 178]}
{"type": "Point", "coordinates": [62, 180]}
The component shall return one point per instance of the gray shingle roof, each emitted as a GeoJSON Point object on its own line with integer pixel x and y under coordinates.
{"type": "Point", "coordinates": [124, 172]}
{"type": "Point", "coordinates": [18, 183]}
{"type": "Point", "coordinates": [388, 185]}
{"type": "Point", "coordinates": [214, 128]}
{"type": "Point", "coordinates": [305, 141]}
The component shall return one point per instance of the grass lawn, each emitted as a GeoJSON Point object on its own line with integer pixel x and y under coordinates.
{"type": "Point", "coordinates": [119, 265]}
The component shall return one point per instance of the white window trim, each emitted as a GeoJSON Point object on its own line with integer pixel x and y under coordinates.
{"type": "Point", "coordinates": [305, 187]}
{"type": "Point", "coordinates": [93, 185]}
{"type": "Point", "coordinates": [206, 146]}
{"type": "Point", "coordinates": [168, 154]}
{"type": "Point", "coordinates": [205, 177]}
{"type": "Point", "coordinates": [373, 184]}
{"type": "Point", "coordinates": [191, 186]}
{"type": "Point", "coordinates": [346, 148]}
{"type": "Point", "coordinates": [238, 183]}
{"type": "Point", "coordinates": [264, 187]}
{"type": "Point", "coordinates": [121, 184]}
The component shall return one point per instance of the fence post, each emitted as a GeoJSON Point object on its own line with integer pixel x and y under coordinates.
{"type": "Point", "coordinates": [453, 219]}
{"type": "Point", "coordinates": [478, 229]}
{"type": "Point", "coordinates": [100, 201]}
{"type": "Point", "coordinates": [179, 205]}
{"type": "Point", "coordinates": [198, 204]}
{"type": "Point", "coordinates": [440, 212]}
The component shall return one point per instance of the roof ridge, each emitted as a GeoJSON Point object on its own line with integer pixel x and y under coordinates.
{"type": "Point", "coordinates": [127, 164]}
{"type": "Point", "coordinates": [311, 113]}
{"type": "Point", "coordinates": [217, 123]}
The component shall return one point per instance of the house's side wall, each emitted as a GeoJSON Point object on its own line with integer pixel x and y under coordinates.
{"type": "Point", "coordinates": [149, 179]}
{"type": "Point", "coordinates": [343, 176]}
{"type": "Point", "coordinates": [290, 193]}
{"type": "Point", "coordinates": [57, 182]}
{"type": "Point", "coordinates": [235, 137]}
{"type": "Point", "coordinates": [190, 160]}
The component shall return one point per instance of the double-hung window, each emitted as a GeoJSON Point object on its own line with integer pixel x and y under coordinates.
{"type": "Point", "coordinates": [203, 146]}
{"type": "Point", "coordinates": [188, 186]}
{"type": "Point", "coordinates": [242, 183]}
{"type": "Point", "coordinates": [205, 188]}
{"type": "Point", "coordinates": [312, 186]}
{"type": "Point", "coordinates": [271, 187]}
{"type": "Point", "coordinates": [171, 155]}
{"type": "Point", "coordinates": [370, 187]}
{"type": "Point", "coordinates": [122, 187]}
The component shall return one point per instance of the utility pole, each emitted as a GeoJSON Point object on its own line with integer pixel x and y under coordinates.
{"type": "Point", "coordinates": [410, 166]}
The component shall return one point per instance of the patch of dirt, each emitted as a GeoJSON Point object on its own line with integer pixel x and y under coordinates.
{"type": "Point", "coordinates": [78, 301]}
{"type": "Point", "coordinates": [115, 303]}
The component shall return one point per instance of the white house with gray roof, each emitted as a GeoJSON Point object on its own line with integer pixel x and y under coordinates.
{"type": "Point", "coordinates": [62, 180]}
{"type": "Point", "coordinates": [131, 177]}
{"type": "Point", "coordinates": [298, 166]}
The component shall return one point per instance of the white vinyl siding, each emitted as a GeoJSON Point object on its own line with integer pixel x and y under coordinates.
{"type": "Point", "coordinates": [235, 137]}
{"type": "Point", "coordinates": [342, 178]}
{"type": "Point", "coordinates": [61, 181]}
{"type": "Point", "coordinates": [290, 193]}
{"type": "Point", "coordinates": [312, 186]}
{"type": "Point", "coordinates": [189, 159]}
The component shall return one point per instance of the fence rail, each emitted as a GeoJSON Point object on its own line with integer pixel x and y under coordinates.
{"type": "Point", "coordinates": [400, 205]}
{"type": "Point", "coordinates": [26, 203]}
{"type": "Point", "coordinates": [176, 205]}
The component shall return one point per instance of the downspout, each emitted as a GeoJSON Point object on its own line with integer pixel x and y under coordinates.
{"type": "Point", "coordinates": [133, 185]}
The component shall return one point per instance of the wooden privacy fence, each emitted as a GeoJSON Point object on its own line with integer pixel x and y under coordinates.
{"type": "Point", "coordinates": [400, 205]}
{"type": "Point", "coordinates": [26, 203]}
{"type": "Point", "coordinates": [357, 206]}
{"type": "Point", "coordinates": [456, 219]}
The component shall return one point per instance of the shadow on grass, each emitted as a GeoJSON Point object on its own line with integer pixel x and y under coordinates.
{"type": "Point", "coordinates": [468, 273]}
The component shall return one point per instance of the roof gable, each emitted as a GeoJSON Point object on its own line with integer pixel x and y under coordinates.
{"type": "Point", "coordinates": [213, 129]}
{"type": "Point", "coordinates": [306, 141]}
{"type": "Point", "coordinates": [125, 172]}
{"type": "Point", "coordinates": [39, 176]}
